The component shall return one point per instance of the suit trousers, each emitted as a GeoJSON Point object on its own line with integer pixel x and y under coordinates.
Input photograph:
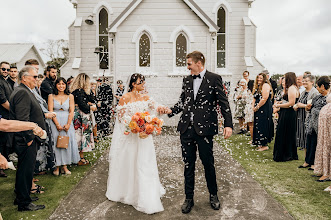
{"type": "Point", "coordinates": [24, 175]}
{"type": "Point", "coordinates": [191, 141]}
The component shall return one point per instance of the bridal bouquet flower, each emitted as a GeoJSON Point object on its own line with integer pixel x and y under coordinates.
{"type": "Point", "coordinates": [144, 124]}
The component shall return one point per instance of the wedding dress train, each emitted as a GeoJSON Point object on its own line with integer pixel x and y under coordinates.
{"type": "Point", "coordinates": [133, 174]}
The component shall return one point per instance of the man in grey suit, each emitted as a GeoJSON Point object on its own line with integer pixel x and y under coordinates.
{"type": "Point", "coordinates": [25, 107]}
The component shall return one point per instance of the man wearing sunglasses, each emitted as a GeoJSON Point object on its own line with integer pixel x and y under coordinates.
{"type": "Point", "coordinates": [5, 92]}
{"type": "Point", "coordinates": [25, 107]}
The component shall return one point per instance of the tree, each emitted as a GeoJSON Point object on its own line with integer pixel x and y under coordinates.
{"type": "Point", "coordinates": [57, 51]}
{"type": "Point", "coordinates": [276, 76]}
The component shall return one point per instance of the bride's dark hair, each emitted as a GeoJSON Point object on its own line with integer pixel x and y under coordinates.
{"type": "Point", "coordinates": [133, 79]}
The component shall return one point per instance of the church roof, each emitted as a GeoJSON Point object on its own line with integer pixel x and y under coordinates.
{"type": "Point", "coordinates": [15, 52]}
{"type": "Point", "coordinates": [190, 3]}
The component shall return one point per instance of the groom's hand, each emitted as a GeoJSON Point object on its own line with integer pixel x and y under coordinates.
{"type": "Point", "coordinates": [227, 132]}
{"type": "Point", "coordinates": [163, 110]}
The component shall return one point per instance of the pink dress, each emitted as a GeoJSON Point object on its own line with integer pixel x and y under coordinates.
{"type": "Point", "coordinates": [323, 149]}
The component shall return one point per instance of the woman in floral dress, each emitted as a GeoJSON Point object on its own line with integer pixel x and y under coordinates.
{"type": "Point", "coordinates": [80, 88]}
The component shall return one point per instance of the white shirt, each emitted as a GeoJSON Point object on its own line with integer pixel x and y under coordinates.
{"type": "Point", "coordinates": [197, 82]}
{"type": "Point", "coordinates": [301, 89]}
{"type": "Point", "coordinates": [196, 85]}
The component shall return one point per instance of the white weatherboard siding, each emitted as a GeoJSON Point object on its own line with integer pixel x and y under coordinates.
{"type": "Point", "coordinates": [162, 18]}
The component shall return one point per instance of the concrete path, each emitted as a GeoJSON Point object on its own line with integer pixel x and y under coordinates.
{"type": "Point", "coordinates": [240, 195]}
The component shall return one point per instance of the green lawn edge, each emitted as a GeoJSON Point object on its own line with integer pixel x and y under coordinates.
{"type": "Point", "coordinates": [57, 188]}
{"type": "Point", "coordinates": [292, 187]}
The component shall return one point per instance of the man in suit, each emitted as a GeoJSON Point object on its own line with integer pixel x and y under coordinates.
{"type": "Point", "coordinates": [202, 92]}
{"type": "Point", "coordinates": [25, 107]}
{"type": "Point", "coordinates": [5, 92]}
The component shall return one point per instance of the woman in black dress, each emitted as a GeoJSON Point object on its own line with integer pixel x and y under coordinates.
{"type": "Point", "coordinates": [285, 142]}
{"type": "Point", "coordinates": [263, 128]}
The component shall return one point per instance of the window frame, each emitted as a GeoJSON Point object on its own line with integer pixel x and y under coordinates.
{"type": "Point", "coordinates": [142, 69]}
{"type": "Point", "coordinates": [98, 35]}
{"type": "Point", "coordinates": [222, 69]}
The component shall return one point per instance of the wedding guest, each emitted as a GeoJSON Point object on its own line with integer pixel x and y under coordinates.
{"type": "Point", "coordinates": [306, 73]}
{"type": "Point", "coordinates": [300, 84]}
{"type": "Point", "coordinates": [40, 79]}
{"type": "Point", "coordinates": [272, 82]}
{"type": "Point", "coordinates": [263, 126]}
{"type": "Point", "coordinates": [45, 159]}
{"type": "Point", "coordinates": [95, 115]}
{"type": "Point", "coordinates": [240, 100]}
{"type": "Point", "coordinates": [63, 104]}
{"type": "Point", "coordinates": [250, 83]}
{"type": "Point", "coordinates": [25, 107]}
{"type": "Point", "coordinates": [119, 91]}
{"type": "Point", "coordinates": [80, 89]}
{"type": "Point", "coordinates": [285, 141]}
{"type": "Point", "coordinates": [69, 80]}
{"type": "Point", "coordinates": [47, 86]}
{"type": "Point", "coordinates": [309, 93]}
{"type": "Point", "coordinates": [5, 92]}
{"type": "Point", "coordinates": [105, 95]}
{"type": "Point", "coordinates": [318, 102]}
{"type": "Point", "coordinates": [323, 149]}
{"type": "Point", "coordinates": [249, 114]}
{"type": "Point", "coordinates": [12, 78]}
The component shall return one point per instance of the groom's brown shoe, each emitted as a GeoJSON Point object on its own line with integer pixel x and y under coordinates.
{"type": "Point", "coordinates": [214, 202]}
{"type": "Point", "coordinates": [187, 206]}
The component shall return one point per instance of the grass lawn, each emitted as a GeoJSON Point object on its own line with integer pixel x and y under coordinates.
{"type": "Point", "coordinates": [295, 188]}
{"type": "Point", "coordinates": [57, 187]}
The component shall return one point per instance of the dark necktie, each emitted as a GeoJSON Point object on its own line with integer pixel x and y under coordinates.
{"type": "Point", "coordinates": [196, 76]}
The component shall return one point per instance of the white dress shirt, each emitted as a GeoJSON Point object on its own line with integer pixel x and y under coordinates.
{"type": "Point", "coordinates": [197, 82]}
{"type": "Point", "coordinates": [196, 85]}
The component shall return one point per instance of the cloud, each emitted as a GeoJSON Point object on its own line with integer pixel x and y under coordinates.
{"type": "Point", "coordinates": [293, 35]}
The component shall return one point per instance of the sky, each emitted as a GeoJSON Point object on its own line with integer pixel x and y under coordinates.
{"type": "Point", "coordinates": [292, 35]}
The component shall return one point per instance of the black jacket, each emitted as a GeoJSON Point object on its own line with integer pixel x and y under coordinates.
{"type": "Point", "coordinates": [82, 99]}
{"type": "Point", "coordinates": [11, 82]}
{"type": "Point", "coordinates": [210, 95]}
{"type": "Point", "coordinates": [5, 92]}
{"type": "Point", "coordinates": [46, 88]}
{"type": "Point", "coordinates": [25, 107]}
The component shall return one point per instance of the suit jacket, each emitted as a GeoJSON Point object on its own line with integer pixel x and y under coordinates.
{"type": "Point", "coordinates": [25, 107]}
{"type": "Point", "coordinates": [5, 92]}
{"type": "Point", "coordinates": [46, 88]}
{"type": "Point", "coordinates": [210, 94]}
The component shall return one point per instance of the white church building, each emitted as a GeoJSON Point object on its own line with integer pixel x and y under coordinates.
{"type": "Point", "coordinates": [152, 37]}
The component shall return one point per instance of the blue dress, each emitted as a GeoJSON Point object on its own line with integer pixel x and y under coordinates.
{"type": "Point", "coordinates": [71, 154]}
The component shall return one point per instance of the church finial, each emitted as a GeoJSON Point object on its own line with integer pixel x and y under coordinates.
{"type": "Point", "coordinates": [74, 3]}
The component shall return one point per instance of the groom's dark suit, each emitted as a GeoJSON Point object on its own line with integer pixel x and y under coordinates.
{"type": "Point", "coordinates": [198, 124]}
{"type": "Point", "coordinates": [25, 107]}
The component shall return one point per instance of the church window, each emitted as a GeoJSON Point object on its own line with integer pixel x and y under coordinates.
{"type": "Point", "coordinates": [221, 38]}
{"type": "Point", "coordinates": [144, 51]}
{"type": "Point", "coordinates": [181, 50]}
{"type": "Point", "coordinates": [103, 39]}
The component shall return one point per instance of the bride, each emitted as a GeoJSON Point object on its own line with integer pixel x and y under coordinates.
{"type": "Point", "coordinates": [133, 175]}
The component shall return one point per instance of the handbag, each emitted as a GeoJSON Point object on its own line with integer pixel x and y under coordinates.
{"type": "Point", "coordinates": [62, 141]}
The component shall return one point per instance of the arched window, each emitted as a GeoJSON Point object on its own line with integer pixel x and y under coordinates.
{"type": "Point", "coordinates": [181, 50]}
{"type": "Point", "coordinates": [221, 38]}
{"type": "Point", "coordinates": [103, 39]}
{"type": "Point", "coordinates": [144, 51]}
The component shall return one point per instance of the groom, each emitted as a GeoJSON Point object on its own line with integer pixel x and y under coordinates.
{"type": "Point", "coordinates": [202, 92]}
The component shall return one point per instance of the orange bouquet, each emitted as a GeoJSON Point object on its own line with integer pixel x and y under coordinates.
{"type": "Point", "coordinates": [144, 124]}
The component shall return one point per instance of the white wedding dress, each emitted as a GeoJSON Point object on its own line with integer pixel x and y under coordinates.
{"type": "Point", "coordinates": [133, 174]}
